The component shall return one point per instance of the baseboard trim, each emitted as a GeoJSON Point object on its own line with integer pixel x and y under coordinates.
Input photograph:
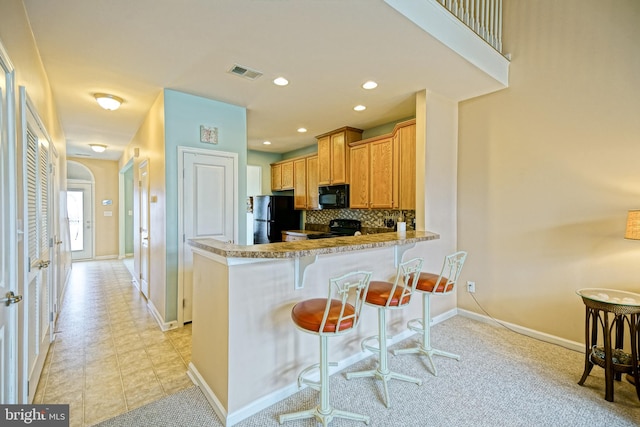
{"type": "Point", "coordinates": [103, 257]}
{"type": "Point", "coordinates": [551, 339]}
{"type": "Point", "coordinates": [164, 326]}
{"type": "Point", "coordinates": [217, 406]}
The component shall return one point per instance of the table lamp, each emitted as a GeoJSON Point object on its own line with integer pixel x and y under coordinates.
{"type": "Point", "coordinates": [633, 225]}
{"type": "Point", "coordinates": [633, 233]}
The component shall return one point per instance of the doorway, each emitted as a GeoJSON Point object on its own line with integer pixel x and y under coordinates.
{"type": "Point", "coordinates": [80, 213]}
{"type": "Point", "coordinates": [207, 208]}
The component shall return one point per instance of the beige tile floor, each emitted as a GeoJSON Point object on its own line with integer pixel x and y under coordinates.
{"type": "Point", "coordinates": [110, 355]}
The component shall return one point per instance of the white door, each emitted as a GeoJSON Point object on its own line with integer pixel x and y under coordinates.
{"type": "Point", "coordinates": [209, 209]}
{"type": "Point", "coordinates": [143, 183]}
{"type": "Point", "coordinates": [8, 242]}
{"type": "Point", "coordinates": [36, 309]}
{"type": "Point", "coordinates": [80, 213]}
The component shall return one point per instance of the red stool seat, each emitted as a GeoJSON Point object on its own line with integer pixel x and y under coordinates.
{"type": "Point", "coordinates": [427, 282]}
{"type": "Point", "coordinates": [379, 293]}
{"type": "Point", "coordinates": [308, 315]}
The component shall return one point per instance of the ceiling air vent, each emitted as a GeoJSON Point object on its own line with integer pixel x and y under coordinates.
{"type": "Point", "coordinates": [245, 72]}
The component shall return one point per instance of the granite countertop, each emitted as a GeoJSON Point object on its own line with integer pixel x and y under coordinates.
{"type": "Point", "coordinates": [312, 247]}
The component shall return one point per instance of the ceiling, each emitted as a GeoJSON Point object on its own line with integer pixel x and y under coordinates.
{"type": "Point", "coordinates": [325, 48]}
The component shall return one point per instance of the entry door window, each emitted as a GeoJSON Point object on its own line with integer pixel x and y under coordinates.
{"type": "Point", "coordinates": [79, 207]}
{"type": "Point", "coordinates": [75, 208]}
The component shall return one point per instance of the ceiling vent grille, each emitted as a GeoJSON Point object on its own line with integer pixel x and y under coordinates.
{"type": "Point", "coordinates": [245, 72]}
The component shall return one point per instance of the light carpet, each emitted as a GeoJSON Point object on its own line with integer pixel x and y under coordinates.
{"type": "Point", "coordinates": [503, 379]}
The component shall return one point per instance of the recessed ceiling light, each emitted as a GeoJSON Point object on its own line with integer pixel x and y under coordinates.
{"type": "Point", "coordinates": [359, 108]}
{"type": "Point", "coordinates": [370, 85]}
{"type": "Point", "coordinates": [281, 81]}
{"type": "Point", "coordinates": [302, 130]}
{"type": "Point", "coordinates": [267, 143]}
{"type": "Point", "coordinates": [108, 102]}
{"type": "Point", "coordinates": [98, 148]}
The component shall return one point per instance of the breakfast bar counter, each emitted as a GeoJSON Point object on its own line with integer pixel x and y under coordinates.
{"type": "Point", "coordinates": [246, 352]}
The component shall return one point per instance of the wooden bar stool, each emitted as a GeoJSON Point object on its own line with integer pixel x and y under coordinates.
{"type": "Point", "coordinates": [327, 317]}
{"type": "Point", "coordinates": [389, 296]}
{"type": "Point", "coordinates": [434, 284]}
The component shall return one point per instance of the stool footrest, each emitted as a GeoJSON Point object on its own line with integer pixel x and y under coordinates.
{"type": "Point", "coordinates": [311, 383]}
{"type": "Point", "coordinates": [416, 325]}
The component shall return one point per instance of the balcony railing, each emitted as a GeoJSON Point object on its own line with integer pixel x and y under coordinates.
{"type": "Point", "coordinates": [484, 17]}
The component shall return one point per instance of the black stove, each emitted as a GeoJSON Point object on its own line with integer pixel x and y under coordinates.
{"type": "Point", "coordinates": [339, 228]}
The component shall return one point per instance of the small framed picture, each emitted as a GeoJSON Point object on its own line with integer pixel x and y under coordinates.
{"type": "Point", "coordinates": [208, 134]}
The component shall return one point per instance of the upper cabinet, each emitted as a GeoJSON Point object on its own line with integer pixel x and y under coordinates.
{"type": "Point", "coordinates": [282, 175]}
{"type": "Point", "coordinates": [383, 170]}
{"type": "Point", "coordinates": [305, 188]}
{"type": "Point", "coordinates": [333, 155]}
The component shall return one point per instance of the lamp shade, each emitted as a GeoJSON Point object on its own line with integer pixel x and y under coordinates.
{"type": "Point", "coordinates": [633, 225]}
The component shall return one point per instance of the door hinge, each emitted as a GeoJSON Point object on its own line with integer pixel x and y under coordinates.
{"type": "Point", "coordinates": [51, 242]}
{"type": "Point", "coordinates": [184, 302]}
{"type": "Point", "coordinates": [183, 238]}
{"type": "Point", "coordinates": [29, 264]}
{"type": "Point", "coordinates": [51, 316]}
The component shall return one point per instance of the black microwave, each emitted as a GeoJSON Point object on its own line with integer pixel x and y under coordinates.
{"type": "Point", "coordinates": [333, 197]}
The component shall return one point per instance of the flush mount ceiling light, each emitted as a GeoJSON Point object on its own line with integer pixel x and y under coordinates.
{"type": "Point", "coordinates": [281, 81]}
{"type": "Point", "coordinates": [266, 143]}
{"type": "Point", "coordinates": [98, 148]}
{"type": "Point", "coordinates": [108, 102]}
{"type": "Point", "coordinates": [302, 130]}
{"type": "Point", "coordinates": [370, 85]}
{"type": "Point", "coordinates": [359, 108]}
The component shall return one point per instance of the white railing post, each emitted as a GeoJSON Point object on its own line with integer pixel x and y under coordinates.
{"type": "Point", "coordinates": [484, 17]}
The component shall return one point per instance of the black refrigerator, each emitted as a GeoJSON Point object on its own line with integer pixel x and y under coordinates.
{"type": "Point", "coordinates": [272, 215]}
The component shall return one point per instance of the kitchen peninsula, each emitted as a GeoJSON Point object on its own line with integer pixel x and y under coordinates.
{"type": "Point", "coordinates": [246, 352]}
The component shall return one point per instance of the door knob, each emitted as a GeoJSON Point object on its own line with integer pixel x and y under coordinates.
{"type": "Point", "coordinates": [11, 298]}
{"type": "Point", "coordinates": [43, 264]}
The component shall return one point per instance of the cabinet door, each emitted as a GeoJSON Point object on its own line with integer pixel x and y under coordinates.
{"type": "Point", "coordinates": [381, 174]}
{"type": "Point", "coordinates": [287, 176]}
{"type": "Point", "coordinates": [312, 182]}
{"type": "Point", "coordinates": [339, 166]}
{"type": "Point", "coordinates": [276, 177]}
{"type": "Point", "coordinates": [407, 167]}
{"type": "Point", "coordinates": [300, 184]}
{"type": "Point", "coordinates": [324, 161]}
{"type": "Point", "coordinates": [359, 177]}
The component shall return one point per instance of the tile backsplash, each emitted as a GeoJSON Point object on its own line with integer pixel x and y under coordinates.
{"type": "Point", "coordinates": [377, 220]}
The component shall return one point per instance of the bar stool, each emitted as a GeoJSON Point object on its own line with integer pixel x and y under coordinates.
{"type": "Point", "coordinates": [389, 296]}
{"type": "Point", "coordinates": [434, 284]}
{"type": "Point", "coordinates": [327, 317]}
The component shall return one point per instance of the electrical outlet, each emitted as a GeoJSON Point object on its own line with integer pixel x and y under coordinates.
{"type": "Point", "coordinates": [471, 287]}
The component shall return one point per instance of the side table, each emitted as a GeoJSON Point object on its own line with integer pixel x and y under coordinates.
{"type": "Point", "coordinates": [611, 311]}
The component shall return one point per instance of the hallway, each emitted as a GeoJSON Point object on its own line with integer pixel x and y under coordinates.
{"type": "Point", "coordinates": [109, 355]}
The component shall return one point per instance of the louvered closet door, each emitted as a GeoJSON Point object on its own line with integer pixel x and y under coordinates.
{"type": "Point", "coordinates": [37, 288]}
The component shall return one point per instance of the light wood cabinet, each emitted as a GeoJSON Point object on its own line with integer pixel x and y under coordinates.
{"type": "Point", "coordinates": [276, 177]}
{"type": "Point", "coordinates": [312, 182]}
{"type": "Point", "coordinates": [305, 186]}
{"type": "Point", "coordinates": [333, 155]}
{"type": "Point", "coordinates": [383, 171]}
{"type": "Point", "coordinates": [282, 175]}
{"type": "Point", "coordinates": [372, 175]}
{"type": "Point", "coordinates": [406, 146]}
